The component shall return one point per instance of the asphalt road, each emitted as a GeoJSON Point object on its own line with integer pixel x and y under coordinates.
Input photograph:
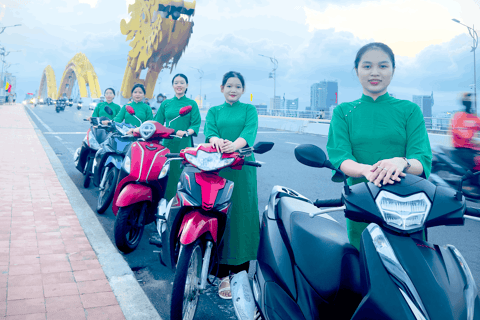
{"type": "Point", "coordinates": [65, 131]}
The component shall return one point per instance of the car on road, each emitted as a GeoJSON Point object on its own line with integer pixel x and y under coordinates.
{"type": "Point", "coordinates": [93, 104]}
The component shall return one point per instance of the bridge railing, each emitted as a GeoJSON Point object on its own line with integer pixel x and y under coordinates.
{"type": "Point", "coordinates": [434, 124]}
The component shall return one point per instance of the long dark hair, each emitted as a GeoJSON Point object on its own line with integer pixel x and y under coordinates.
{"type": "Point", "coordinates": [233, 74]}
{"type": "Point", "coordinates": [139, 85]}
{"type": "Point", "coordinates": [374, 46]}
{"type": "Point", "coordinates": [184, 77]}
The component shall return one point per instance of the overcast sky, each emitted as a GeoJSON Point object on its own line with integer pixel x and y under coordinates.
{"type": "Point", "coordinates": [314, 40]}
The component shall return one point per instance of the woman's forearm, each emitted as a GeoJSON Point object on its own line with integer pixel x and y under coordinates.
{"type": "Point", "coordinates": [239, 143]}
{"type": "Point", "coordinates": [416, 168]}
{"type": "Point", "coordinates": [354, 169]}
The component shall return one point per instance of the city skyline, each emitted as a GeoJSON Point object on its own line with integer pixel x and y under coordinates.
{"type": "Point", "coordinates": [305, 49]}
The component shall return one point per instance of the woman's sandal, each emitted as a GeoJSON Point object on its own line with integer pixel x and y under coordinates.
{"type": "Point", "coordinates": [225, 289]}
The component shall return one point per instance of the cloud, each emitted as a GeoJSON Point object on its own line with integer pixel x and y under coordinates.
{"type": "Point", "coordinates": [386, 21]}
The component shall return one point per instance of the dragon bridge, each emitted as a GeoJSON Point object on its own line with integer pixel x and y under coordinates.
{"type": "Point", "coordinates": [48, 84]}
{"type": "Point", "coordinates": [160, 31]}
{"type": "Point", "coordinates": [80, 70]}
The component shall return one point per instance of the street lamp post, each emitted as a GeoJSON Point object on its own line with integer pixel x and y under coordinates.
{"type": "Point", "coordinates": [275, 66]}
{"type": "Point", "coordinates": [201, 76]}
{"type": "Point", "coordinates": [3, 28]}
{"type": "Point", "coordinates": [474, 36]}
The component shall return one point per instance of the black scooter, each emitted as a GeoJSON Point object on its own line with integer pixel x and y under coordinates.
{"type": "Point", "coordinates": [307, 269]}
{"type": "Point", "coordinates": [447, 170]}
{"type": "Point", "coordinates": [85, 155]}
{"type": "Point", "coordinates": [108, 162]}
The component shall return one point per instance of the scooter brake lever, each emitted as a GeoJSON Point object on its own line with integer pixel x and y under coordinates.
{"type": "Point", "coordinates": [312, 215]}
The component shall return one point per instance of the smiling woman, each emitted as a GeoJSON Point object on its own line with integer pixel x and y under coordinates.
{"type": "Point", "coordinates": [377, 138]}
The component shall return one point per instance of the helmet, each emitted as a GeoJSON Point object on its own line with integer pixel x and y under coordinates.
{"type": "Point", "coordinates": [466, 99]}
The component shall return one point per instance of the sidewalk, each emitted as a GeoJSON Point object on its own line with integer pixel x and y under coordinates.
{"type": "Point", "coordinates": [48, 269]}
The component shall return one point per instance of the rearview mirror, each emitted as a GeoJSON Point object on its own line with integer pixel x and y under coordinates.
{"type": "Point", "coordinates": [130, 110]}
{"type": "Point", "coordinates": [262, 147]}
{"type": "Point", "coordinates": [312, 156]}
{"type": "Point", "coordinates": [108, 110]}
{"type": "Point", "coordinates": [185, 110]}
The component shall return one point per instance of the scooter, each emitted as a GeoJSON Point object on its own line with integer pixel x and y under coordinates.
{"type": "Point", "coordinates": [307, 269]}
{"type": "Point", "coordinates": [141, 183]}
{"type": "Point", "coordinates": [448, 169]}
{"type": "Point", "coordinates": [192, 224]}
{"type": "Point", "coordinates": [79, 106]}
{"type": "Point", "coordinates": [108, 162]}
{"type": "Point", "coordinates": [85, 155]}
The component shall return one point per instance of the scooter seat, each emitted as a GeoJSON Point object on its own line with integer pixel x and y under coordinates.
{"type": "Point", "coordinates": [321, 249]}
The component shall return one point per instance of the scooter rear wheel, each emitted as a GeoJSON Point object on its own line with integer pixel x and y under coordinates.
{"type": "Point", "coordinates": [186, 292]}
{"type": "Point", "coordinates": [129, 225]}
{"type": "Point", "coordinates": [86, 178]}
{"type": "Point", "coordinates": [106, 195]}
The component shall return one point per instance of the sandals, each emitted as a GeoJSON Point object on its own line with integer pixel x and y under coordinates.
{"type": "Point", "coordinates": [224, 289]}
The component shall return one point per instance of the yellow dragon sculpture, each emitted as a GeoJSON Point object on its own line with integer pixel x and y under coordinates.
{"type": "Point", "coordinates": [160, 31]}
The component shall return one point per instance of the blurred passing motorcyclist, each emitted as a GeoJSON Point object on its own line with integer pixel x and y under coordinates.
{"type": "Point", "coordinates": [465, 124]}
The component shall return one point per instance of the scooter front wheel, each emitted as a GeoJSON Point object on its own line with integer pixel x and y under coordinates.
{"type": "Point", "coordinates": [129, 225]}
{"type": "Point", "coordinates": [106, 194]}
{"type": "Point", "coordinates": [186, 283]}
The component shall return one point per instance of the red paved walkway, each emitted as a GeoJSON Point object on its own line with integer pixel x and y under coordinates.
{"type": "Point", "coordinates": [48, 269]}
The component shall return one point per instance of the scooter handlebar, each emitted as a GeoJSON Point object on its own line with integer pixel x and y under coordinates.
{"type": "Point", "coordinates": [252, 163]}
{"type": "Point", "coordinates": [172, 155]}
{"type": "Point", "coordinates": [328, 203]}
{"type": "Point", "coordinates": [474, 212]}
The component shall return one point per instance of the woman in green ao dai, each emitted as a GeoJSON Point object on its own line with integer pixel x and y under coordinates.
{"type": "Point", "coordinates": [377, 138]}
{"type": "Point", "coordinates": [229, 127]}
{"type": "Point", "coordinates": [189, 123]}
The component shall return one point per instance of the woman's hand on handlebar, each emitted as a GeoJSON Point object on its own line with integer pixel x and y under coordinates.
{"type": "Point", "coordinates": [228, 146]}
{"type": "Point", "coordinates": [386, 171]}
{"type": "Point", "coordinates": [106, 122]}
{"type": "Point", "coordinates": [89, 118]}
{"type": "Point", "coordinates": [217, 143]}
{"type": "Point", "coordinates": [181, 133]}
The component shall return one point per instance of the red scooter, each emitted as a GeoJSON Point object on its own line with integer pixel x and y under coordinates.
{"type": "Point", "coordinates": [141, 183]}
{"type": "Point", "coordinates": [193, 223]}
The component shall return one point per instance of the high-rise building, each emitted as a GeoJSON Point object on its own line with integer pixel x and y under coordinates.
{"type": "Point", "coordinates": [291, 104]}
{"type": "Point", "coordinates": [425, 103]}
{"type": "Point", "coordinates": [278, 103]}
{"type": "Point", "coordinates": [261, 109]}
{"type": "Point", "coordinates": [323, 95]}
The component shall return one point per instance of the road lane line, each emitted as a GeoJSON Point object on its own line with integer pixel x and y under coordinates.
{"type": "Point", "coordinates": [296, 144]}
{"type": "Point", "coordinates": [40, 120]}
{"type": "Point", "coordinates": [265, 132]}
{"type": "Point", "coordinates": [58, 138]}
{"type": "Point", "coordinates": [472, 218]}
{"type": "Point", "coordinates": [64, 132]}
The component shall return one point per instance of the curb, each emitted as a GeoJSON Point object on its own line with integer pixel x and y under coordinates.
{"type": "Point", "coordinates": [130, 296]}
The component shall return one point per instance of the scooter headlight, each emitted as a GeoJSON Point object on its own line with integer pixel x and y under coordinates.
{"type": "Point", "coordinates": [403, 213]}
{"type": "Point", "coordinates": [395, 269]}
{"type": "Point", "coordinates": [147, 129]}
{"type": "Point", "coordinates": [165, 169]}
{"type": "Point", "coordinates": [126, 164]}
{"type": "Point", "coordinates": [92, 142]}
{"type": "Point", "coordinates": [470, 290]}
{"type": "Point", "coordinates": [207, 161]}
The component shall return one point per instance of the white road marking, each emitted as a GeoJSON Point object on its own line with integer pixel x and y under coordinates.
{"type": "Point", "coordinates": [40, 120]}
{"type": "Point", "coordinates": [64, 133]}
{"type": "Point", "coordinates": [58, 138]}
{"type": "Point", "coordinates": [70, 150]}
{"type": "Point", "coordinates": [261, 162]}
{"type": "Point", "coordinates": [265, 132]}
{"type": "Point", "coordinates": [296, 144]}
{"type": "Point", "coordinates": [472, 218]}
